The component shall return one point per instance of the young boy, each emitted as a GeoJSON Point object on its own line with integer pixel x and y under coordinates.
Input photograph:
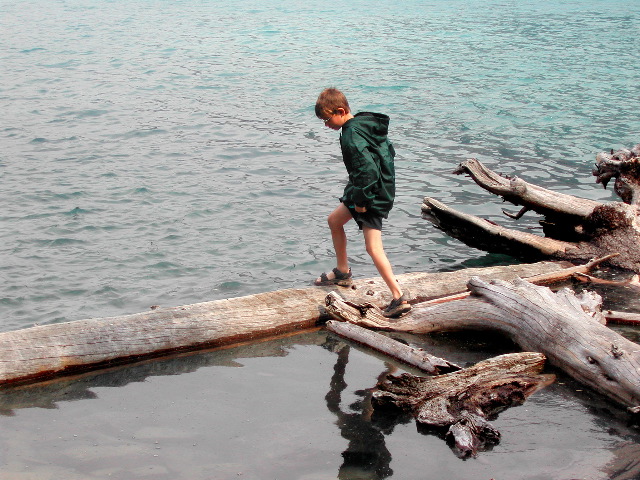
{"type": "Point", "coordinates": [368, 197]}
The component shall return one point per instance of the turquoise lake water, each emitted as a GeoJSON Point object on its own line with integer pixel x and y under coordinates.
{"type": "Point", "coordinates": [166, 152]}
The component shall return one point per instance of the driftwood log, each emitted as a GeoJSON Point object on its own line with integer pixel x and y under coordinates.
{"type": "Point", "coordinates": [575, 229]}
{"type": "Point", "coordinates": [409, 355]}
{"type": "Point", "coordinates": [462, 402]}
{"type": "Point", "coordinates": [49, 350]}
{"type": "Point", "coordinates": [458, 402]}
{"type": "Point", "coordinates": [565, 327]}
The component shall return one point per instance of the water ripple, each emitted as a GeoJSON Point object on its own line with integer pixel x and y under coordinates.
{"type": "Point", "coordinates": [188, 165]}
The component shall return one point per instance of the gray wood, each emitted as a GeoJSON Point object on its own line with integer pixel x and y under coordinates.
{"type": "Point", "coordinates": [406, 354]}
{"type": "Point", "coordinates": [538, 320]}
{"type": "Point", "coordinates": [48, 350]}
{"type": "Point", "coordinates": [460, 403]}
{"type": "Point", "coordinates": [456, 401]}
{"type": "Point", "coordinates": [575, 229]}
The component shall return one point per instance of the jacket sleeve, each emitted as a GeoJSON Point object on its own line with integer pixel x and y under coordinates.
{"type": "Point", "coordinates": [364, 176]}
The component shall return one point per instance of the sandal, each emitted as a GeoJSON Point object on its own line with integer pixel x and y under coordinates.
{"type": "Point", "coordinates": [397, 307]}
{"type": "Point", "coordinates": [341, 279]}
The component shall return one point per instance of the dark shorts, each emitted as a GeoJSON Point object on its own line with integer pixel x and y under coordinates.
{"type": "Point", "coordinates": [367, 219]}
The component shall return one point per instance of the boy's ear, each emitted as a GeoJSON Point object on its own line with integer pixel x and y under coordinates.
{"type": "Point", "coordinates": [341, 111]}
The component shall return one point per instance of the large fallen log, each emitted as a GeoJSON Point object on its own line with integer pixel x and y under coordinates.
{"type": "Point", "coordinates": [460, 402]}
{"type": "Point", "coordinates": [562, 326]}
{"type": "Point", "coordinates": [49, 350]}
{"type": "Point", "coordinates": [575, 229]}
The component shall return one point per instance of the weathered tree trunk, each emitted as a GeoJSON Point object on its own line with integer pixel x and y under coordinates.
{"type": "Point", "coordinates": [458, 403]}
{"type": "Point", "coordinates": [575, 229]}
{"type": "Point", "coordinates": [461, 402]}
{"type": "Point", "coordinates": [538, 320]}
{"type": "Point", "coordinates": [48, 350]}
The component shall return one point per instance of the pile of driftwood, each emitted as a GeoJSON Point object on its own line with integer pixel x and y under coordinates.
{"type": "Point", "coordinates": [566, 329]}
{"type": "Point", "coordinates": [46, 351]}
{"type": "Point", "coordinates": [492, 297]}
{"type": "Point", "coordinates": [576, 229]}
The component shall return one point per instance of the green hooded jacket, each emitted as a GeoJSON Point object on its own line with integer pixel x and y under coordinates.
{"type": "Point", "coordinates": [368, 155]}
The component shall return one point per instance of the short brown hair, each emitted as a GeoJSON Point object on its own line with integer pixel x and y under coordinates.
{"type": "Point", "coordinates": [329, 101]}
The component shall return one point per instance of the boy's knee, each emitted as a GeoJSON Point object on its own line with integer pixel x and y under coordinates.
{"type": "Point", "coordinates": [374, 250]}
{"type": "Point", "coordinates": [335, 221]}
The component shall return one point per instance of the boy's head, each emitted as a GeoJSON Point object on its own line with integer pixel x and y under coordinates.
{"type": "Point", "coordinates": [333, 108]}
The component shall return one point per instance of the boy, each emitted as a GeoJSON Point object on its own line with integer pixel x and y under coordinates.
{"type": "Point", "coordinates": [368, 197]}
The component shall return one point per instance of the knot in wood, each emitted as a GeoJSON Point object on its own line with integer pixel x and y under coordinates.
{"type": "Point", "coordinates": [328, 300]}
{"type": "Point", "coordinates": [616, 352]}
{"type": "Point", "coordinates": [517, 185]}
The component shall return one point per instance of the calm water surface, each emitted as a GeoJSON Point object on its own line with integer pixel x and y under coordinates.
{"type": "Point", "coordinates": [166, 152]}
{"type": "Point", "coordinates": [292, 409]}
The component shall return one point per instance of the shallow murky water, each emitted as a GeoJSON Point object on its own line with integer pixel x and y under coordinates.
{"type": "Point", "coordinates": [295, 408]}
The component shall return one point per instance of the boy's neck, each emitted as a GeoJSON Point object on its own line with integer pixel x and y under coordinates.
{"type": "Point", "coordinates": [345, 118]}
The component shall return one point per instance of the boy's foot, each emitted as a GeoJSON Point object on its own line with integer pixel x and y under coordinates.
{"type": "Point", "coordinates": [397, 307]}
{"type": "Point", "coordinates": [335, 277]}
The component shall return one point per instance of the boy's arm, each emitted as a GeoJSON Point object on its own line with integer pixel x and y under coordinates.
{"type": "Point", "coordinates": [364, 177]}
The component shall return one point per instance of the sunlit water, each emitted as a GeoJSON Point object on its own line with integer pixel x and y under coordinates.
{"type": "Point", "coordinates": [166, 152]}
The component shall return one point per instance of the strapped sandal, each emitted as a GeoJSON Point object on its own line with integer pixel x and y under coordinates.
{"type": "Point", "coordinates": [397, 307]}
{"type": "Point", "coordinates": [341, 279]}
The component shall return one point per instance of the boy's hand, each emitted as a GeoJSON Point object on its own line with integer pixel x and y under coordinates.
{"type": "Point", "coordinates": [361, 209]}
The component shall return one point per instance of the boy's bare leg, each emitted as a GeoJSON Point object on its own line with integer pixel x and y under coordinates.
{"type": "Point", "coordinates": [373, 241]}
{"type": "Point", "coordinates": [336, 221]}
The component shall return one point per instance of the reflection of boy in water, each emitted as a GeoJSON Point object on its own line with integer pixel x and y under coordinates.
{"type": "Point", "coordinates": [367, 456]}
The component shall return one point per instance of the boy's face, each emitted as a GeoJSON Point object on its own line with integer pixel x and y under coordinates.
{"type": "Point", "coordinates": [337, 119]}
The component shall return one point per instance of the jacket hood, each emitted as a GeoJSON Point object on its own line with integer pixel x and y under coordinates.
{"type": "Point", "coordinates": [375, 125]}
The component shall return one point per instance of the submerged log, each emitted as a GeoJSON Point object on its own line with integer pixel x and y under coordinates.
{"type": "Point", "coordinates": [563, 326]}
{"type": "Point", "coordinates": [576, 229]}
{"type": "Point", "coordinates": [49, 350]}
{"type": "Point", "coordinates": [460, 402]}
{"type": "Point", "coordinates": [409, 355]}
